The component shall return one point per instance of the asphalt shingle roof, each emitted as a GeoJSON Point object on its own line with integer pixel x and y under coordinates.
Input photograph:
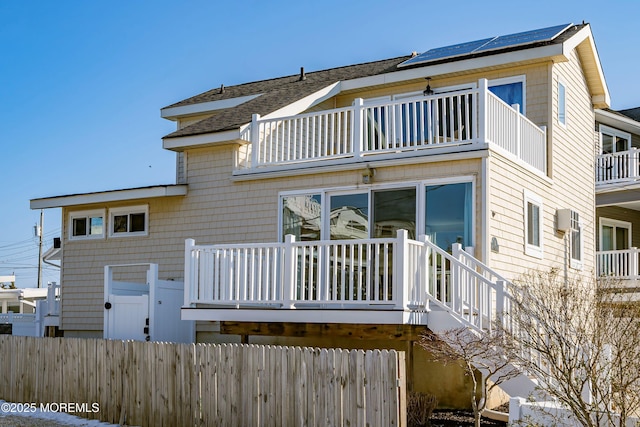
{"type": "Point", "coordinates": [632, 113]}
{"type": "Point", "coordinates": [275, 94]}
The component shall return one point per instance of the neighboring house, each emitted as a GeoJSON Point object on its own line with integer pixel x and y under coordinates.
{"type": "Point", "coordinates": [618, 199]}
{"type": "Point", "coordinates": [482, 145]}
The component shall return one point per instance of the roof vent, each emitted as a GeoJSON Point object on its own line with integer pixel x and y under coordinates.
{"type": "Point", "coordinates": [303, 76]}
{"type": "Point", "coordinates": [221, 88]}
{"type": "Point", "coordinates": [414, 54]}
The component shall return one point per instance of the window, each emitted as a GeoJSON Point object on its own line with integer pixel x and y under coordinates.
{"type": "Point", "coordinates": [394, 210]}
{"type": "Point", "coordinates": [533, 225]}
{"type": "Point", "coordinates": [86, 225]}
{"type": "Point", "coordinates": [614, 140]}
{"type": "Point", "coordinates": [562, 104]}
{"type": "Point", "coordinates": [449, 214]}
{"type": "Point", "coordinates": [511, 90]}
{"type": "Point", "coordinates": [614, 235]}
{"type": "Point", "coordinates": [576, 240]}
{"type": "Point", "coordinates": [349, 216]}
{"type": "Point", "coordinates": [442, 209]}
{"type": "Point", "coordinates": [129, 221]}
{"type": "Point", "coordinates": [301, 216]}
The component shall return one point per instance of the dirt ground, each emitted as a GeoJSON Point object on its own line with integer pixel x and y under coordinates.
{"type": "Point", "coordinates": [445, 418]}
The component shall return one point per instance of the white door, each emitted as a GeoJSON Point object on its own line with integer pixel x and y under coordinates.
{"type": "Point", "coordinates": [127, 317]}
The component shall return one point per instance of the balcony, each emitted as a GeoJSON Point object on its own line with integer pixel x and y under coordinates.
{"type": "Point", "coordinates": [622, 167]}
{"type": "Point", "coordinates": [458, 120]}
{"type": "Point", "coordinates": [381, 281]}
{"type": "Point", "coordinates": [618, 265]}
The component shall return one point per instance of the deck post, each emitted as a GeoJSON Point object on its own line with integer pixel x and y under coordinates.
{"type": "Point", "coordinates": [401, 274]}
{"type": "Point", "coordinates": [289, 276]}
{"type": "Point", "coordinates": [483, 88]}
{"type": "Point", "coordinates": [518, 152]}
{"type": "Point", "coordinates": [633, 163]}
{"type": "Point", "coordinates": [255, 139]}
{"type": "Point", "coordinates": [188, 272]}
{"type": "Point", "coordinates": [358, 140]}
{"type": "Point", "coordinates": [544, 155]}
{"type": "Point", "coordinates": [500, 303]}
{"type": "Point", "coordinates": [456, 291]}
{"type": "Point", "coordinates": [633, 264]}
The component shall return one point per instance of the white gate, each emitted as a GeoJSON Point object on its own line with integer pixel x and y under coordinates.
{"type": "Point", "coordinates": [128, 317]}
{"type": "Point", "coordinates": [144, 311]}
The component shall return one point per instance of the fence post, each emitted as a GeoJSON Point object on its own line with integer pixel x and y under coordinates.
{"type": "Point", "coordinates": [255, 140]}
{"type": "Point", "coordinates": [401, 274]}
{"type": "Point", "coordinates": [633, 264]}
{"type": "Point", "coordinates": [188, 272]}
{"type": "Point", "coordinates": [289, 277]}
{"type": "Point", "coordinates": [358, 137]}
{"type": "Point", "coordinates": [483, 88]}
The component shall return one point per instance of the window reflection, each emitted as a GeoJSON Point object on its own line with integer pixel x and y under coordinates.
{"type": "Point", "coordinates": [448, 214]}
{"type": "Point", "coordinates": [349, 217]}
{"type": "Point", "coordinates": [301, 216]}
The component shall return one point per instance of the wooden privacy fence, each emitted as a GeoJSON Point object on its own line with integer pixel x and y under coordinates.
{"type": "Point", "coordinates": [161, 384]}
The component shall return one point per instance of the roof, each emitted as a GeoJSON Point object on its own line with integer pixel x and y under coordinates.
{"type": "Point", "coordinates": [127, 194]}
{"type": "Point", "coordinates": [632, 113]}
{"type": "Point", "coordinates": [274, 94]}
{"type": "Point", "coordinates": [266, 96]}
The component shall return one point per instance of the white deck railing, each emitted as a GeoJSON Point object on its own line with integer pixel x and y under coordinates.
{"type": "Point", "coordinates": [473, 116]}
{"type": "Point", "coordinates": [374, 274]}
{"type": "Point", "coordinates": [618, 167]}
{"type": "Point", "coordinates": [620, 264]}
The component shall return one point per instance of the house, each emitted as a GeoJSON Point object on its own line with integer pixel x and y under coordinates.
{"type": "Point", "coordinates": [356, 205]}
{"type": "Point", "coordinates": [617, 199]}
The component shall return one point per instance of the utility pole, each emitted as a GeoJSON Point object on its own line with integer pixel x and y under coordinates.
{"type": "Point", "coordinates": [39, 233]}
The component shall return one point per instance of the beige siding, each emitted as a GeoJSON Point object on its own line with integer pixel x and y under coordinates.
{"type": "Point", "coordinates": [536, 87]}
{"type": "Point", "coordinates": [220, 210]}
{"type": "Point", "coordinates": [216, 210]}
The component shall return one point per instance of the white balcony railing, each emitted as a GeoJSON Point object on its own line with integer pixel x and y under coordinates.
{"type": "Point", "coordinates": [473, 116]}
{"type": "Point", "coordinates": [620, 264]}
{"type": "Point", "coordinates": [373, 274]}
{"type": "Point", "coordinates": [622, 166]}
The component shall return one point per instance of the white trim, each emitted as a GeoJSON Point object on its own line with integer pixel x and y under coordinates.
{"type": "Point", "coordinates": [212, 138]}
{"type": "Point", "coordinates": [574, 262]}
{"type": "Point", "coordinates": [128, 211]}
{"type": "Point", "coordinates": [613, 132]}
{"type": "Point", "coordinates": [109, 196]}
{"type": "Point", "coordinates": [562, 121]}
{"type": "Point", "coordinates": [616, 223]}
{"type": "Point", "coordinates": [522, 78]}
{"type": "Point", "coordinates": [524, 56]}
{"type": "Point", "coordinates": [431, 155]}
{"type": "Point", "coordinates": [617, 121]}
{"type": "Point", "coordinates": [360, 316]}
{"type": "Point", "coordinates": [88, 215]}
{"type": "Point", "coordinates": [535, 200]}
{"type": "Point", "coordinates": [173, 113]}
{"type": "Point", "coordinates": [418, 185]}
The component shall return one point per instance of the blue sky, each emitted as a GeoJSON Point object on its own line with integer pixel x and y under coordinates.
{"type": "Point", "coordinates": [82, 82]}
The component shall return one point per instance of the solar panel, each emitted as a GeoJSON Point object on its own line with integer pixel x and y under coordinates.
{"type": "Point", "coordinates": [492, 43]}
{"type": "Point", "coordinates": [527, 37]}
{"type": "Point", "coordinates": [447, 51]}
